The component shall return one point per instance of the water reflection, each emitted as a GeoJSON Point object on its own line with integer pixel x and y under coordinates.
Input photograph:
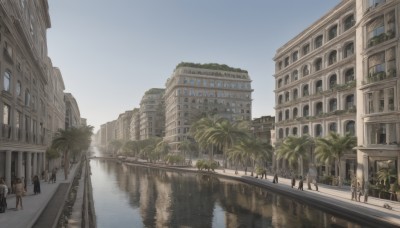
{"type": "Point", "coordinates": [147, 197]}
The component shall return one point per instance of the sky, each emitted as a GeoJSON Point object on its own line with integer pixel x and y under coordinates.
{"type": "Point", "coordinates": [111, 52]}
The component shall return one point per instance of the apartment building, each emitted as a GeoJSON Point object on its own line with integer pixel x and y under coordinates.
{"type": "Point", "coordinates": [340, 75]}
{"type": "Point", "coordinates": [152, 114]}
{"type": "Point", "coordinates": [195, 90]}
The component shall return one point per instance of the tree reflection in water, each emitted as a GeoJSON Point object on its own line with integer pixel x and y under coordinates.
{"type": "Point", "coordinates": [147, 197]}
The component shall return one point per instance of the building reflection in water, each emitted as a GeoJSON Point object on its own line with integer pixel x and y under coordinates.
{"type": "Point", "coordinates": [146, 197]}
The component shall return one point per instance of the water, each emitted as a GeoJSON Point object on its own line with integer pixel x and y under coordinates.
{"type": "Point", "coordinates": [136, 196]}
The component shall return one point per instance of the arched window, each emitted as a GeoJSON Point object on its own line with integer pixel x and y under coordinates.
{"type": "Point", "coordinates": [318, 64]}
{"type": "Point", "coordinates": [306, 111]}
{"type": "Point", "coordinates": [295, 75]}
{"type": "Point", "coordinates": [306, 71]}
{"type": "Point", "coordinates": [280, 65]}
{"type": "Point", "coordinates": [305, 130]}
{"type": "Point", "coordinates": [280, 116]}
{"type": "Point", "coordinates": [295, 56]}
{"type": "Point", "coordinates": [318, 108]}
{"type": "Point", "coordinates": [286, 114]}
{"type": "Point", "coordinates": [287, 131]}
{"type": "Point", "coordinates": [349, 75]}
{"type": "Point", "coordinates": [349, 22]}
{"type": "Point", "coordinates": [287, 96]}
{"type": "Point", "coordinates": [318, 86]}
{"type": "Point", "coordinates": [332, 81]}
{"type": "Point", "coordinates": [332, 127]}
{"type": "Point", "coordinates": [7, 81]}
{"type": "Point", "coordinates": [318, 41]}
{"type": "Point", "coordinates": [318, 130]}
{"type": "Point", "coordinates": [306, 49]}
{"type": "Point", "coordinates": [294, 131]}
{"type": "Point", "coordinates": [286, 79]}
{"type": "Point", "coordinates": [350, 127]}
{"type": "Point", "coordinates": [295, 113]}
{"type": "Point", "coordinates": [348, 50]}
{"type": "Point", "coordinates": [27, 98]}
{"type": "Point", "coordinates": [333, 105]}
{"type": "Point", "coordinates": [332, 57]}
{"type": "Point", "coordinates": [280, 83]}
{"type": "Point", "coordinates": [305, 90]}
{"type": "Point", "coordinates": [350, 102]}
{"type": "Point", "coordinates": [280, 133]}
{"type": "Point", "coordinates": [332, 33]}
{"type": "Point", "coordinates": [280, 99]}
{"type": "Point", "coordinates": [295, 94]}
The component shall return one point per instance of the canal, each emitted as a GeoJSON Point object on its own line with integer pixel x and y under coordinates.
{"type": "Point", "coordinates": [137, 196]}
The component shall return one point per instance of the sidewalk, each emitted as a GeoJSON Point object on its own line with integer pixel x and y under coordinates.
{"type": "Point", "coordinates": [33, 204]}
{"type": "Point", "coordinates": [329, 195]}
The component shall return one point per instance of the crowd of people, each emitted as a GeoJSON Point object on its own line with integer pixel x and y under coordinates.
{"type": "Point", "coordinates": [18, 187]}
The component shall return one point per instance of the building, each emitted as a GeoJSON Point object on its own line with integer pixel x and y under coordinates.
{"type": "Point", "coordinates": [123, 126]}
{"type": "Point", "coordinates": [135, 125]}
{"type": "Point", "coordinates": [25, 74]}
{"type": "Point", "coordinates": [152, 114]}
{"type": "Point", "coordinates": [339, 75]}
{"type": "Point", "coordinates": [72, 114]}
{"type": "Point", "coordinates": [261, 127]}
{"type": "Point", "coordinates": [195, 90]}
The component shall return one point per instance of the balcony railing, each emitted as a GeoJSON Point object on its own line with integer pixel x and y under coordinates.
{"type": "Point", "coordinates": [381, 38]}
{"type": "Point", "coordinates": [380, 76]}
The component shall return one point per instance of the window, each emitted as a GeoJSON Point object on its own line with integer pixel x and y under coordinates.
{"type": "Point", "coordinates": [349, 75]}
{"type": "Point", "coordinates": [349, 22]}
{"type": "Point", "coordinates": [332, 33]}
{"type": "Point", "coordinates": [332, 81]}
{"type": "Point", "coordinates": [305, 130]}
{"type": "Point", "coordinates": [332, 127]}
{"type": "Point", "coordinates": [280, 116]}
{"type": "Point", "coordinates": [287, 131]}
{"type": "Point", "coordinates": [370, 103]}
{"type": "Point", "coordinates": [376, 65]}
{"type": "Point", "coordinates": [294, 131]}
{"type": "Point", "coordinates": [286, 79]}
{"type": "Point", "coordinates": [332, 57]}
{"type": "Point", "coordinates": [318, 64]}
{"type": "Point", "coordinates": [350, 127]}
{"type": "Point", "coordinates": [376, 31]}
{"type": "Point", "coordinates": [295, 113]}
{"type": "Point", "coordinates": [280, 133]}
{"type": "Point", "coordinates": [306, 49]}
{"type": "Point", "coordinates": [9, 49]}
{"type": "Point", "coordinates": [18, 88]}
{"type": "Point", "coordinates": [375, 3]}
{"type": "Point", "coordinates": [305, 71]}
{"type": "Point", "coordinates": [7, 81]}
{"type": "Point", "coordinates": [6, 114]}
{"type": "Point", "coordinates": [318, 86]}
{"type": "Point", "coordinates": [305, 90]}
{"type": "Point", "coordinates": [318, 130]}
{"type": "Point", "coordinates": [318, 41]}
{"type": "Point", "coordinates": [287, 114]}
{"type": "Point", "coordinates": [348, 50]}
{"type": "Point", "coordinates": [381, 100]}
{"type": "Point", "coordinates": [306, 111]}
{"type": "Point", "coordinates": [295, 94]}
{"type": "Point", "coordinates": [286, 61]}
{"type": "Point", "coordinates": [280, 83]}
{"type": "Point", "coordinates": [333, 105]}
{"type": "Point", "coordinates": [295, 75]}
{"type": "Point", "coordinates": [287, 96]}
{"type": "Point", "coordinates": [280, 65]}
{"type": "Point", "coordinates": [318, 108]}
{"type": "Point", "coordinates": [295, 56]}
{"type": "Point", "coordinates": [350, 102]}
{"type": "Point", "coordinates": [280, 99]}
{"type": "Point", "coordinates": [391, 99]}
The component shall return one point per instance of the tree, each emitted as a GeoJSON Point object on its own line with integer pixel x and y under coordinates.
{"type": "Point", "coordinates": [295, 150]}
{"type": "Point", "coordinates": [334, 146]}
{"type": "Point", "coordinates": [199, 132]}
{"type": "Point", "coordinates": [116, 145]}
{"type": "Point", "coordinates": [72, 139]}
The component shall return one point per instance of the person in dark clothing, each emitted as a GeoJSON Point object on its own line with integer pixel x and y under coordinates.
{"type": "Point", "coordinates": [275, 180]}
{"type": "Point", "coordinates": [36, 185]}
{"type": "Point", "coordinates": [293, 181]}
{"type": "Point", "coordinates": [300, 184]}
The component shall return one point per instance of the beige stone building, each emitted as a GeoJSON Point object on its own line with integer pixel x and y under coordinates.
{"type": "Point", "coordinates": [194, 90]}
{"type": "Point", "coordinates": [152, 114]}
{"type": "Point", "coordinates": [339, 75]}
{"type": "Point", "coordinates": [261, 127]}
{"type": "Point", "coordinates": [135, 125]}
{"type": "Point", "coordinates": [72, 113]}
{"type": "Point", "coordinates": [30, 109]}
{"type": "Point", "coordinates": [122, 127]}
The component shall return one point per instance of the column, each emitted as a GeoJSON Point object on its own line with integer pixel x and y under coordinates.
{"type": "Point", "coordinates": [40, 163]}
{"type": "Point", "coordinates": [28, 167]}
{"type": "Point", "coordinates": [342, 168]}
{"type": "Point", "coordinates": [365, 168]}
{"type": "Point", "coordinates": [19, 165]}
{"type": "Point", "coordinates": [34, 164]}
{"type": "Point", "coordinates": [398, 167]}
{"type": "Point", "coordinates": [8, 168]}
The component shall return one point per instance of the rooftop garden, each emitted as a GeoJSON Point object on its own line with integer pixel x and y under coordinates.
{"type": "Point", "coordinates": [211, 66]}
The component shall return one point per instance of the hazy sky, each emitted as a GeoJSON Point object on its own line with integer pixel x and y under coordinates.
{"type": "Point", "coordinates": [111, 52]}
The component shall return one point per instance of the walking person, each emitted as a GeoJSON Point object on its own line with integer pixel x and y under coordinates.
{"type": "Point", "coordinates": [300, 184]}
{"type": "Point", "coordinates": [359, 192]}
{"type": "Point", "coordinates": [3, 196]}
{"type": "Point", "coordinates": [275, 180]}
{"type": "Point", "coordinates": [19, 192]}
{"type": "Point", "coordinates": [293, 181]}
{"type": "Point", "coordinates": [353, 190]}
{"type": "Point", "coordinates": [36, 185]}
{"type": "Point", "coordinates": [315, 181]}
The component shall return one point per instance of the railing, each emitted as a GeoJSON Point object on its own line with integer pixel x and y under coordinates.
{"type": "Point", "coordinates": [380, 76]}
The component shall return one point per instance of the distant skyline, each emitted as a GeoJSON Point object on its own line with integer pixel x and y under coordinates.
{"type": "Point", "coordinates": [111, 52]}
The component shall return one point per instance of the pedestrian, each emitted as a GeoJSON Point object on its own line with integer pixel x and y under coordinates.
{"type": "Point", "coordinates": [3, 196]}
{"type": "Point", "coordinates": [359, 192]}
{"type": "Point", "coordinates": [293, 181]}
{"type": "Point", "coordinates": [308, 178]}
{"type": "Point", "coordinates": [300, 184]}
{"type": "Point", "coordinates": [315, 181]}
{"type": "Point", "coordinates": [36, 185]}
{"type": "Point", "coordinates": [54, 175]}
{"type": "Point", "coordinates": [366, 189]}
{"type": "Point", "coordinates": [19, 192]}
{"type": "Point", "coordinates": [275, 180]}
{"type": "Point", "coordinates": [353, 190]}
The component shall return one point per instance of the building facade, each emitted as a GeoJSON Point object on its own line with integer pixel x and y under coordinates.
{"type": "Point", "coordinates": [195, 90]}
{"type": "Point", "coordinates": [72, 113]}
{"type": "Point", "coordinates": [261, 127]}
{"type": "Point", "coordinates": [135, 125]}
{"type": "Point", "coordinates": [340, 75]}
{"type": "Point", "coordinates": [152, 114]}
{"type": "Point", "coordinates": [123, 126]}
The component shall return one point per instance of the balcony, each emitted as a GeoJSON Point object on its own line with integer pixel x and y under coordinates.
{"type": "Point", "coordinates": [380, 76]}
{"type": "Point", "coordinates": [381, 38]}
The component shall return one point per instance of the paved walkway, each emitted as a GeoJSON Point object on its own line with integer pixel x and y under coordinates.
{"type": "Point", "coordinates": [33, 204]}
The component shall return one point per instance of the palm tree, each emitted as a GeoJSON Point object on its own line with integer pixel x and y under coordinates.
{"type": "Point", "coordinates": [224, 134]}
{"type": "Point", "coordinates": [199, 132]}
{"type": "Point", "coordinates": [162, 149]}
{"type": "Point", "coordinates": [295, 150]}
{"type": "Point", "coordinates": [237, 155]}
{"type": "Point", "coordinates": [72, 139]}
{"type": "Point", "coordinates": [187, 146]}
{"type": "Point", "coordinates": [115, 146]}
{"type": "Point", "coordinates": [334, 146]}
